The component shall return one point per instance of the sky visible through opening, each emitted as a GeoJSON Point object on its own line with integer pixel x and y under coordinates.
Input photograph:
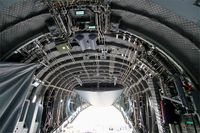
{"type": "Point", "coordinates": [99, 120]}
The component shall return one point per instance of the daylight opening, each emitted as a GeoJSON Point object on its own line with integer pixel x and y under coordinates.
{"type": "Point", "coordinates": [99, 120]}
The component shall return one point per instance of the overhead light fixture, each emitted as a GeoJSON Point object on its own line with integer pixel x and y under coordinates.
{"type": "Point", "coordinates": [134, 67]}
{"type": "Point", "coordinates": [34, 99]}
{"type": "Point", "coordinates": [91, 27]}
{"type": "Point", "coordinates": [115, 80]}
{"type": "Point", "coordinates": [61, 100]}
{"type": "Point", "coordinates": [142, 65]}
{"type": "Point", "coordinates": [189, 122]}
{"type": "Point", "coordinates": [63, 47]}
{"type": "Point", "coordinates": [80, 13]}
{"type": "Point", "coordinates": [35, 84]}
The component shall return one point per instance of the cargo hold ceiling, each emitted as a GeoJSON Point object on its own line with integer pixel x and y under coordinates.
{"type": "Point", "coordinates": [178, 37]}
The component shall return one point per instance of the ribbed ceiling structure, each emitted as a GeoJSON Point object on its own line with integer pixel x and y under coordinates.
{"type": "Point", "coordinates": [150, 42]}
